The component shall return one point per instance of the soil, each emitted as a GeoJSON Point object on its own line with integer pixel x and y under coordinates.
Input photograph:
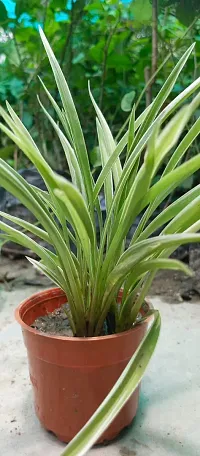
{"type": "Point", "coordinates": [177, 287]}
{"type": "Point", "coordinates": [55, 323]}
{"type": "Point", "coordinates": [18, 273]}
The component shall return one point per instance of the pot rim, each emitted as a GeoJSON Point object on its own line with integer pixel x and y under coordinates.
{"type": "Point", "coordinates": [59, 292]}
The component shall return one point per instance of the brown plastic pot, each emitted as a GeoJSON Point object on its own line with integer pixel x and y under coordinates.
{"type": "Point", "coordinates": [72, 376]}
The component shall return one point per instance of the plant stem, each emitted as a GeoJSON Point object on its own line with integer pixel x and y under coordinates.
{"type": "Point", "coordinates": [154, 61]}
{"type": "Point", "coordinates": [106, 49]}
{"type": "Point", "coordinates": [147, 75]}
{"type": "Point", "coordinates": [45, 13]}
{"type": "Point", "coordinates": [68, 40]}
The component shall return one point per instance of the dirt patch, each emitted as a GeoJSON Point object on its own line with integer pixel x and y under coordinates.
{"type": "Point", "coordinates": [16, 273]}
{"type": "Point", "coordinates": [55, 323]}
{"type": "Point", "coordinates": [176, 286]}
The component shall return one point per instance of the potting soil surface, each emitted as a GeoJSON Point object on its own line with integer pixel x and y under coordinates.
{"type": "Point", "coordinates": [54, 323]}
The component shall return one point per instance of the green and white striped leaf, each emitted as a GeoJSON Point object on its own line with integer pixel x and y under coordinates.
{"type": "Point", "coordinates": [69, 153]}
{"type": "Point", "coordinates": [60, 114]}
{"type": "Point", "coordinates": [72, 118]}
{"type": "Point", "coordinates": [171, 211]}
{"type": "Point", "coordinates": [109, 140]}
{"type": "Point", "coordinates": [27, 226]}
{"type": "Point", "coordinates": [108, 184]}
{"type": "Point", "coordinates": [164, 92]}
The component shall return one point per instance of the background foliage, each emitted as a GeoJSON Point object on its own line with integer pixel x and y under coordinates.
{"type": "Point", "coordinates": [108, 42]}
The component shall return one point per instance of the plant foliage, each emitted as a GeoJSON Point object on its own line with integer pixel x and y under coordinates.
{"type": "Point", "coordinates": [67, 212]}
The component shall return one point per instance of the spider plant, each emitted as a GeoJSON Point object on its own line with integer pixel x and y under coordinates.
{"type": "Point", "coordinates": [67, 213]}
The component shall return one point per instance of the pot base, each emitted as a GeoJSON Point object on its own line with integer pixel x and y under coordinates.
{"type": "Point", "coordinates": [102, 440]}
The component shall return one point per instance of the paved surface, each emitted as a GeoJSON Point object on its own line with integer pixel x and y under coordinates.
{"type": "Point", "coordinates": [167, 423]}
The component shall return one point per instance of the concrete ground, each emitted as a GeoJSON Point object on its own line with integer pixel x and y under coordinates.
{"type": "Point", "coordinates": [167, 422]}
